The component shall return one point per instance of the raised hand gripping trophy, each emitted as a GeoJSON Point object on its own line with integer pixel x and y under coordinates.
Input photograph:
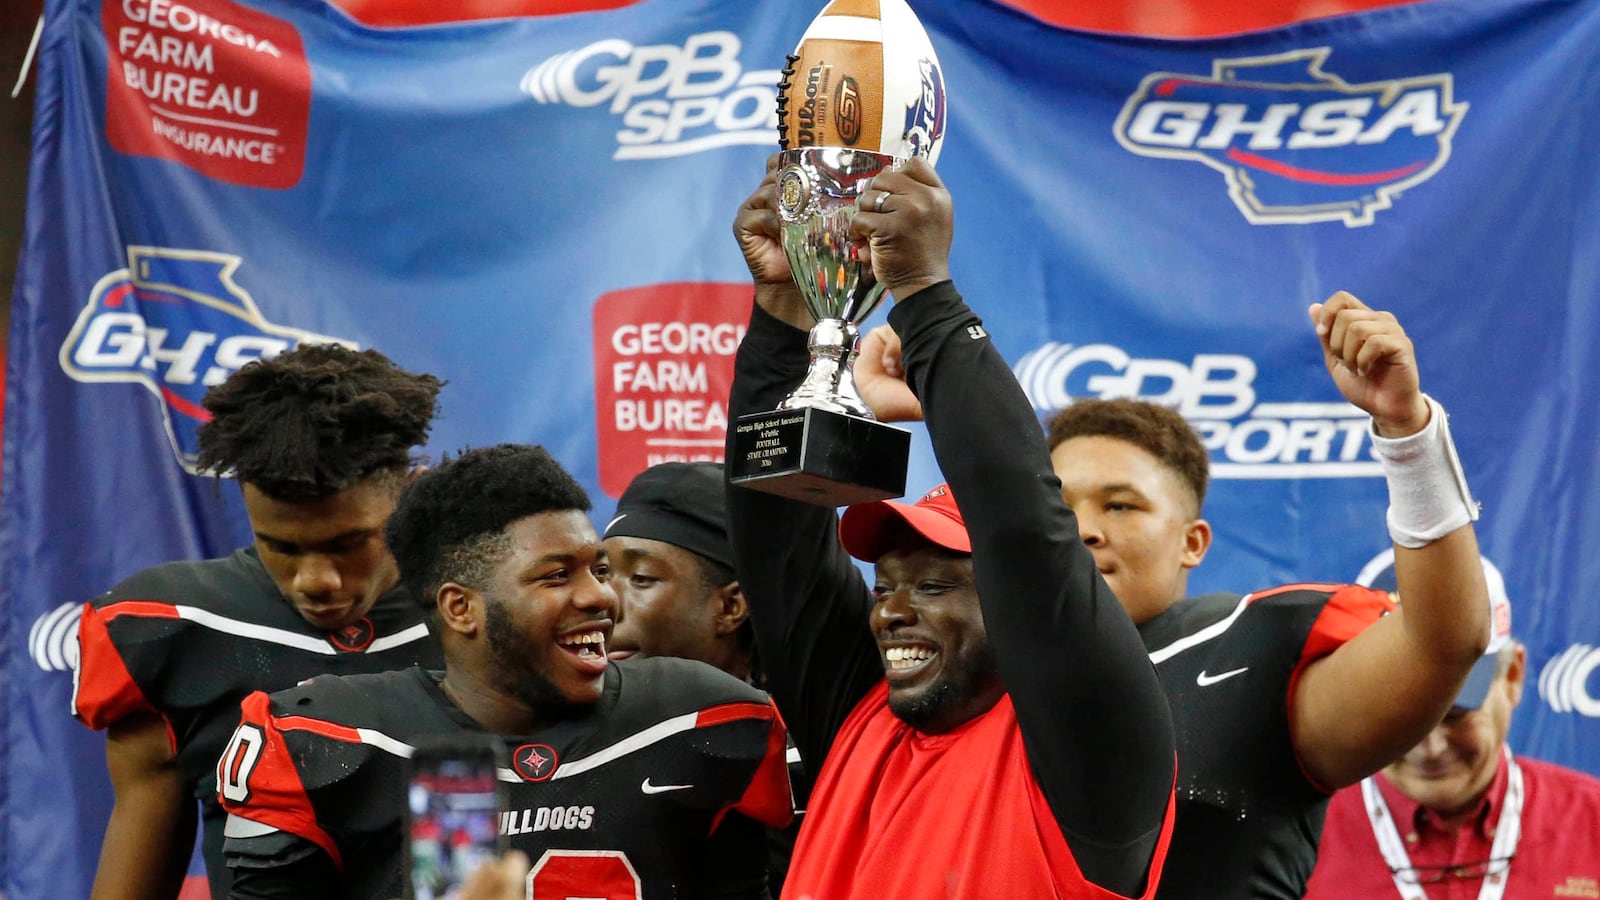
{"type": "Point", "coordinates": [862, 94]}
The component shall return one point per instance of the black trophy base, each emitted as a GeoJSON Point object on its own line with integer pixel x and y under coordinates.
{"type": "Point", "coordinates": [820, 457]}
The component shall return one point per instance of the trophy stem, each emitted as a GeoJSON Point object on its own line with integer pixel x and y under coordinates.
{"type": "Point", "coordinates": [830, 383]}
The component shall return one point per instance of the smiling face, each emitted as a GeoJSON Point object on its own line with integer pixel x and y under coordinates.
{"type": "Point", "coordinates": [664, 605]}
{"type": "Point", "coordinates": [1456, 763]}
{"type": "Point", "coordinates": [1136, 516]}
{"type": "Point", "coordinates": [929, 628]}
{"type": "Point", "coordinates": [327, 555]}
{"type": "Point", "coordinates": [547, 612]}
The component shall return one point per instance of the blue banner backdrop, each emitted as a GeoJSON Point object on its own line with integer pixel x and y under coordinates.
{"type": "Point", "coordinates": [538, 211]}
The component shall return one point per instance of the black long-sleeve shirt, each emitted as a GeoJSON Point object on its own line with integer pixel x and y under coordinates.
{"type": "Point", "coordinates": [1093, 715]}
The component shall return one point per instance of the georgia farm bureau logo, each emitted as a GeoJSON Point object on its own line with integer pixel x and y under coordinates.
{"type": "Point", "coordinates": [673, 100]}
{"type": "Point", "coordinates": [175, 322]}
{"type": "Point", "coordinates": [1564, 681]}
{"type": "Point", "coordinates": [1297, 144]}
{"type": "Point", "coordinates": [1246, 437]}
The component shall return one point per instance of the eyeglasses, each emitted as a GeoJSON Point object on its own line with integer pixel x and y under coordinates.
{"type": "Point", "coordinates": [1472, 870]}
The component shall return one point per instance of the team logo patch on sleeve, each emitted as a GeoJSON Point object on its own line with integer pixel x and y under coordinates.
{"type": "Point", "coordinates": [1294, 143]}
{"type": "Point", "coordinates": [175, 322]}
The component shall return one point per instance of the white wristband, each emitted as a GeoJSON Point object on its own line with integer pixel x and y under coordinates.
{"type": "Point", "coordinates": [1428, 496]}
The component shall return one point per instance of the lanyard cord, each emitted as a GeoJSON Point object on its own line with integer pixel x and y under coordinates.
{"type": "Point", "coordinates": [1507, 831]}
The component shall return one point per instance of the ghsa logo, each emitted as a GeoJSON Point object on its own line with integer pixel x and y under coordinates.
{"type": "Point", "coordinates": [175, 322]}
{"type": "Point", "coordinates": [925, 118]}
{"type": "Point", "coordinates": [673, 100]}
{"type": "Point", "coordinates": [1297, 144]}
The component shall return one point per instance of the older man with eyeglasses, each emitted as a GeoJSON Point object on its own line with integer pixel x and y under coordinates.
{"type": "Point", "coordinates": [1459, 816]}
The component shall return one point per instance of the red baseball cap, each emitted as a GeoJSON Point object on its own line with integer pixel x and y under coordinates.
{"type": "Point", "coordinates": [864, 529]}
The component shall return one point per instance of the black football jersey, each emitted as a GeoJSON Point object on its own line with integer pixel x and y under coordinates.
{"type": "Point", "coordinates": [1248, 816]}
{"type": "Point", "coordinates": [659, 791]}
{"type": "Point", "coordinates": [189, 640]}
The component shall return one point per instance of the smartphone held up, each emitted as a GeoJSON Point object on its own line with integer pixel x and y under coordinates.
{"type": "Point", "coordinates": [454, 800]}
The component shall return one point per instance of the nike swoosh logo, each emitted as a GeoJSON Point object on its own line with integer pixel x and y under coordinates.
{"type": "Point", "coordinates": [1205, 680]}
{"type": "Point", "coordinates": [649, 788]}
{"type": "Point", "coordinates": [611, 523]}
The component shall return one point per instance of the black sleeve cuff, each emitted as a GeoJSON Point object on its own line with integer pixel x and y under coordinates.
{"type": "Point", "coordinates": [929, 305]}
{"type": "Point", "coordinates": [771, 338]}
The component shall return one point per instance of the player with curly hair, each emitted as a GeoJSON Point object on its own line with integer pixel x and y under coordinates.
{"type": "Point", "coordinates": [320, 440]}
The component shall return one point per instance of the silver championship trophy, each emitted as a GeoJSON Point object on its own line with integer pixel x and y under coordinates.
{"type": "Point", "coordinates": [860, 96]}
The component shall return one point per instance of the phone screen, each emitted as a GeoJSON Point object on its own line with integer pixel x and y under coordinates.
{"type": "Point", "coordinates": [455, 821]}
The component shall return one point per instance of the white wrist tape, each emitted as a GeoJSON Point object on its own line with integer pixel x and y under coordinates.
{"type": "Point", "coordinates": [1428, 496]}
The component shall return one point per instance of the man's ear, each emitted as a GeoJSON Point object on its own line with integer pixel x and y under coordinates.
{"type": "Point", "coordinates": [460, 608]}
{"type": "Point", "coordinates": [728, 608]}
{"type": "Point", "coordinates": [1516, 673]}
{"type": "Point", "coordinates": [1196, 541]}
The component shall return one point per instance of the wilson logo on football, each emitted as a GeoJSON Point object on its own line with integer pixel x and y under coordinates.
{"type": "Point", "coordinates": [175, 322]}
{"type": "Point", "coordinates": [864, 75]}
{"type": "Point", "coordinates": [673, 100]}
{"type": "Point", "coordinates": [847, 109]}
{"type": "Point", "coordinates": [1294, 143]}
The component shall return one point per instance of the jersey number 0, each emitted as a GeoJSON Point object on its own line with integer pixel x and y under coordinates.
{"type": "Point", "coordinates": [238, 761]}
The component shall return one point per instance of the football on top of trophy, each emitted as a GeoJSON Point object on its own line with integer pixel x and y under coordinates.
{"type": "Point", "coordinates": [864, 77]}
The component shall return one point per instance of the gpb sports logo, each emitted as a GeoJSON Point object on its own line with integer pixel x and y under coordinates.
{"type": "Point", "coordinates": [53, 639]}
{"type": "Point", "coordinates": [673, 100]}
{"type": "Point", "coordinates": [1297, 144]}
{"type": "Point", "coordinates": [1216, 392]}
{"type": "Point", "coordinates": [1564, 681]}
{"type": "Point", "coordinates": [925, 118]}
{"type": "Point", "coordinates": [175, 322]}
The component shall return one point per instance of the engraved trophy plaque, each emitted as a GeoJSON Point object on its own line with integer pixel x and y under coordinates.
{"type": "Point", "coordinates": [822, 444]}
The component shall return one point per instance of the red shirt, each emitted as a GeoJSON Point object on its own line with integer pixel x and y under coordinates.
{"type": "Point", "coordinates": [900, 813]}
{"type": "Point", "coordinates": [1557, 857]}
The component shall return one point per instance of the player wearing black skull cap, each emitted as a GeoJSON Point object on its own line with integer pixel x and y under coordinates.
{"type": "Point", "coordinates": [677, 595]}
